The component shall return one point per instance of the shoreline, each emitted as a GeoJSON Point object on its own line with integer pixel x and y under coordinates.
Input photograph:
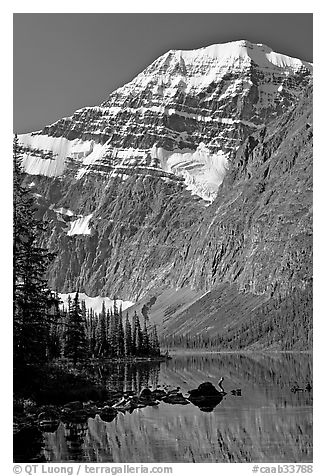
{"type": "Point", "coordinates": [128, 360]}
{"type": "Point", "coordinates": [173, 352]}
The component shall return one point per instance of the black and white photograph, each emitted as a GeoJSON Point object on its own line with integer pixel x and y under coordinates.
{"type": "Point", "coordinates": [162, 239]}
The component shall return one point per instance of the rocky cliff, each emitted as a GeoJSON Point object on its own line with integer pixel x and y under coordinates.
{"type": "Point", "coordinates": [195, 175]}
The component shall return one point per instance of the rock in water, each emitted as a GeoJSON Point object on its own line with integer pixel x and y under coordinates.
{"type": "Point", "coordinates": [49, 420]}
{"type": "Point", "coordinates": [176, 399]}
{"type": "Point", "coordinates": [159, 393]}
{"type": "Point", "coordinates": [205, 389]}
{"type": "Point", "coordinates": [108, 414]}
{"type": "Point", "coordinates": [206, 396]}
{"type": "Point", "coordinates": [146, 394]}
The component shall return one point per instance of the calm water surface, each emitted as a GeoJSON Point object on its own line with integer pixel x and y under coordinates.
{"type": "Point", "coordinates": [268, 423]}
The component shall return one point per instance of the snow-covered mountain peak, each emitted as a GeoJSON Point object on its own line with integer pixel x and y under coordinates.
{"type": "Point", "coordinates": [194, 70]}
{"type": "Point", "coordinates": [262, 55]}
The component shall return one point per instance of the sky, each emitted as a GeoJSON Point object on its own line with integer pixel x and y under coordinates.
{"type": "Point", "coordinates": [62, 62]}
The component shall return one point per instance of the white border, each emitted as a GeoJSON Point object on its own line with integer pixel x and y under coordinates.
{"type": "Point", "coordinates": [168, 6]}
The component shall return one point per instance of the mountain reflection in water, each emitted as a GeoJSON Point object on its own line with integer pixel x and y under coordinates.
{"type": "Point", "coordinates": [265, 422]}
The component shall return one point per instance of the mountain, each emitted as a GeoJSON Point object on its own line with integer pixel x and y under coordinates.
{"type": "Point", "coordinates": [189, 188]}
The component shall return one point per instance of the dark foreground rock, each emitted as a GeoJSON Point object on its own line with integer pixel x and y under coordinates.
{"type": "Point", "coordinates": [108, 414]}
{"type": "Point", "coordinates": [28, 445]}
{"type": "Point", "coordinates": [49, 420]}
{"type": "Point", "coordinates": [205, 389]}
{"type": "Point", "coordinates": [206, 397]}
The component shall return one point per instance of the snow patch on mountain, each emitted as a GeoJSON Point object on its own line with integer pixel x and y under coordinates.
{"type": "Point", "coordinates": [46, 155]}
{"type": "Point", "coordinates": [95, 302]}
{"type": "Point", "coordinates": [97, 154]}
{"type": "Point", "coordinates": [62, 211]}
{"type": "Point", "coordinates": [80, 226]}
{"type": "Point", "coordinates": [202, 170]}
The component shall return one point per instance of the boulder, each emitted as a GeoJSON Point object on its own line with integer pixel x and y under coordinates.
{"type": "Point", "coordinates": [176, 399]}
{"type": "Point", "coordinates": [159, 393]}
{"type": "Point", "coordinates": [206, 397]}
{"type": "Point", "coordinates": [91, 409]}
{"type": "Point", "coordinates": [108, 414]}
{"type": "Point", "coordinates": [146, 394]}
{"type": "Point", "coordinates": [205, 389]}
{"type": "Point", "coordinates": [49, 420]}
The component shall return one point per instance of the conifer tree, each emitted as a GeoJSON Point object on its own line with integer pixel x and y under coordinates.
{"type": "Point", "coordinates": [32, 299]}
{"type": "Point", "coordinates": [55, 334]}
{"type": "Point", "coordinates": [133, 334]}
{"type": "Point", "coordinates": [91, 328]}
{"type": "Point", "coordinates": [120, 334]}
{"type": "Point", "coordinates": [137, 335]}
{"type": "Point", "coordinates": [83, 310]}
{"type": "Point", "coordinates": [89, 324]}
{"type": "Point", "coordinates": [102, 333]}
{"type": "Point", "coordinates": [128, 337]}
{"type": "Point", "coordinates": [108, 326]}
{"type": "Point", "coordinates": [145, 350]}
{"type": "Point", "coordinates": [76, 346]}
{"type": "Point", "coordinates": [113, 331]}
{"type": "Point", "coordinates": [154, 342]}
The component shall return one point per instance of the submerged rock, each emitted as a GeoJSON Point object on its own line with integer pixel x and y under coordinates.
{"type": "Point", "coordinates": [108, 414]}
{"type": "Point", "coordinates": [159, 393]}
{"type": "Point", "coordinates": [91, 409]}
{"type": "Point", "coordinates": [147, 397]}
{"type": "Point", "coordinates": [176, 399]}
{"type": "Point", "coordinates": [49, 420]}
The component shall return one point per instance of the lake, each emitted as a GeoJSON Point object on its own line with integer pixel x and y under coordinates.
{"type": "Point", "coordinates": [268, 422]}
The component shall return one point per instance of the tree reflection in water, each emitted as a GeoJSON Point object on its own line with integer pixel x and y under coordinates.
{"type": "Point", "coordinates": [269, 423]}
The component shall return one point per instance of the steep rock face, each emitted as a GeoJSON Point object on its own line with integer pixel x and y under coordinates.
{"type": "Point", "coordinates": [252, 249]}
{"type": "Point", "coordinates": [138, 227]}
{"type": "Point", "coordinates": [258, 231]}
{"type": "Point", "coordinates": [145, 231]}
